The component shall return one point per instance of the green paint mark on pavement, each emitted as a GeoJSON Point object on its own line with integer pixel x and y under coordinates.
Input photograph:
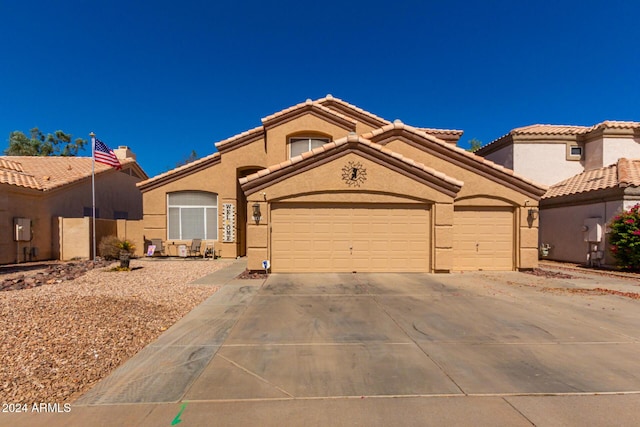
{"type": "Point", "coordinates": [177, 419]}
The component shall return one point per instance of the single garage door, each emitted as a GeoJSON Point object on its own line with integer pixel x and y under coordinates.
{"type": "Point", "coordinates": [348, 237]}
{"type": "Point", "coordinates": [483, 239]}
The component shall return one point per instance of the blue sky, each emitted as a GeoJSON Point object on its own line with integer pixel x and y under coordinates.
{"type": "Point", "coordinates": [169, 77]}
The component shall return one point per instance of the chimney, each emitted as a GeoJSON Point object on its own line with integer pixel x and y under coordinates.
{"type": "Point", "coordinates": [123, 152]}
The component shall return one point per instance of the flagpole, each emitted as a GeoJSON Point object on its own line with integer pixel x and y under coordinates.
{"type": "Point", "coordinates": [93, 189]}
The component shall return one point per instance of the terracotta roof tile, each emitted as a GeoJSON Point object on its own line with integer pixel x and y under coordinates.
{"type": "Point", "coordinates": [479, 159]}
{"type": "Point", "coordinates": [629, 172]}
{"type": "Point", "coordinates": [435, 131]}
{"type": "Point", "coordinates": [624, 173]}
{"type": "Point", "coordinates": [618, 124]}
{"type": "Point", "coordinates": [246, 134]}
{"type": "Point", "coordinates": [539, 129]}
{"type": "Point", "coordinates": [179, 169]}
{"type": "Point", "coordinates": [308, 104]}
{"type": "Point", "coordinates": [329, 99]}
{"type": "Point", "coordinates": [47, 173]}
{"type": "Point", "coordinates": [10, 165]}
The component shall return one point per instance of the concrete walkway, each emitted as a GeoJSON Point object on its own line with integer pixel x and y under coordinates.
{"type": "Point", "coordinates": [380, 349]}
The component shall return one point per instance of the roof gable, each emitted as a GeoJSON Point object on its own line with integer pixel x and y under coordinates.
{"type": "Point", "coordinates": [309, 107]}
{"type": "Point", "coordinates": [462, 158]}
{"type": "Point", "coordinates": [179, 172]}
{"type": "Point", "coordinates": [352, 111]}
{"type": "Point", "coordinates": [342, 146]}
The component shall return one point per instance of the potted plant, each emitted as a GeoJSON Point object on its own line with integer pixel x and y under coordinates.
{"type": "Point", "coordinates": [126, 250]}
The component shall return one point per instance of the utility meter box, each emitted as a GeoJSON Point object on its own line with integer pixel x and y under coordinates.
{"type": "Point", "coordinates": [592, 230]}
{"type": "Point", "coordinates": [21, 229]}
{"type": "Point", "coordinates": [182, 251]}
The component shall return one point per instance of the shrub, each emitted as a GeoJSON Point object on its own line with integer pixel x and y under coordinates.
{"type": "Point", "coordinates": [625, 238]}
{"type": "Point", "coordinates": [127, 246]}
{"type": "Point", "coordinates": [109, 248]}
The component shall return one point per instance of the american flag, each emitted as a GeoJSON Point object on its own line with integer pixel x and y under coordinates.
{"type": "Point", "coordinates": [104, 154]}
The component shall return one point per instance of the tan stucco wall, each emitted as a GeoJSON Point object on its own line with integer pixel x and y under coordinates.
{"type": "Point", "coordinates": [115, 191]}
{"type": "Point", "coordinates": [75, 237]}
{"type": "Point", "coordinates": [307, 124]}
{"type": "Point", "coordinates": [443, 237]}
{"type": "Point", "coordinates": [561, 227]}
{"type": "Point", "coordinates": [22, 204]}
{"type": "Point", "coordinates": [382, 184]}
{"type": "Point", "coordinates": [474, 184]}
{"type": "Point", "coordinates": [211, 179]}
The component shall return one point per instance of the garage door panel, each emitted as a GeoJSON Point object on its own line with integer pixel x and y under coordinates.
{"type": "Point", "coordinates": [381, 238]}
{"type": "Point", "coordinates": [483, 239]}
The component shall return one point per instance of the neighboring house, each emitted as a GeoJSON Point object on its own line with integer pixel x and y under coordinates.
{"type": "Point", "coordinates": [551, 153]}
{"type": "Point", "coordinates": [591, 181]}
{"type": "Point", "coordinates": [35, 190]}
{"type": "Point", "coordinates": [327, 186]}
{"type": "Point", "coordinates": [574, 213]}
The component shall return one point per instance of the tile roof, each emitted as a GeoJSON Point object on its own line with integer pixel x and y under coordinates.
{"type": "Point", "coordinates": [624, 173]}
{"type": "Point", "coordinates": [192, 165]}
{"type": "Point", "coordinates": [251, 133]}
{"type": "Point", "coordinates": [345, 140]}
{"type": "Point", "coordinates": [539, 129]}
{"type": "Point", "coordinates": [561, 130]}
{"type": "Point", "coordinates": [48, 173]}
{"type": "Point", "coordinates": [617, 124]}
{"type": "Point", "coordinates": [436, 132]}
{"type": "Point", "coordinates": [397, 124]}
{"type": "Point", "coordinates": [307, 105]}
{"type": "Point", "coordinates": [330, 99]}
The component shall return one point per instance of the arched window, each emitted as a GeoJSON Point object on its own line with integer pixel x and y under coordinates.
{"type": "Point", "coordinates": [302, 144]}
{"type": "Point", "coordinates": [192, 215]}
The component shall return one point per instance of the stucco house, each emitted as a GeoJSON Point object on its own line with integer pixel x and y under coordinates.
{"type": "Point", "coordinates": [325, 186]}
{"type": "Point", "coordinates": [574, 213]}
{"type": "Point", "coordinates": [549, 154]}
{"type": "Point", "coordinates": [592, 178]}
{"type": "Point", "coordinates": [36, 191]}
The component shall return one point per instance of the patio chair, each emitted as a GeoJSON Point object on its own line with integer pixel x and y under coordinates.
{"type": "Point", "coordinates": [194, 249]}
{"type": "Point", "coordinates": [159, 246]}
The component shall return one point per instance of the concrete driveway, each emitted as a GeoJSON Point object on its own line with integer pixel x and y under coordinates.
{"type": "Point", "coordinates": [407, 335]}
{"type": "Point", "coordinates": [380, 349]}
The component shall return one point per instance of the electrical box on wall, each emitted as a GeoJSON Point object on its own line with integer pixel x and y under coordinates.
{"type": "Point", "coordinates": [21, 229]}
{"type": "Point", "coordinates": [592, 230]}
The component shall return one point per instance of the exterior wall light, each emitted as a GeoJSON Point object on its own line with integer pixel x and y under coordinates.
{"type": "Point", "coordinates": [257, 215]}
{"type": "Point", "coordinates": [533, 213]}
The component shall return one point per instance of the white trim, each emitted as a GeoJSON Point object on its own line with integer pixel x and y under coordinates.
{"type": "Point", "coordinates": [292, 139]}
{"type": "Point", "coordinates": [208, 234]}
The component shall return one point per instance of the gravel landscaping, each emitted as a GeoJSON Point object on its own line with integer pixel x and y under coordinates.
{"type": "Point", "coordinates": [59, 339]}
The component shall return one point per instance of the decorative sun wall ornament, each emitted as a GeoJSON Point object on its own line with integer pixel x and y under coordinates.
{"type": "Point", "coordinates": [354, 174]}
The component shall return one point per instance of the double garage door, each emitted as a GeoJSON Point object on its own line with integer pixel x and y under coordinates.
{"type": "Point", "coordinates": [348, 237]}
